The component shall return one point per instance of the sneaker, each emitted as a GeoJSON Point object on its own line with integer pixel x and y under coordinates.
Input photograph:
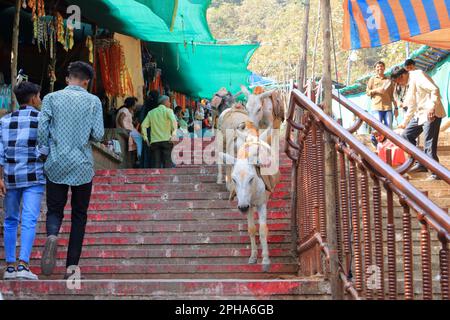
{"type": "Point", "coordinates": [24, 273]}
{"type": "Point", "coordinates": [10, 273]}
{"type": "Point", "coordinates": [48, 261]}
{"type": "Point", "coordinates": [418, 168]}
{"type": "Point", "coordinates": [433, 177]}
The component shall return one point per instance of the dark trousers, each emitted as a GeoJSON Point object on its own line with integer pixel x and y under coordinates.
{"type": "Point", "coordinates": [431, 130]}
{"type": "Point", "coordinates": [161, 154]}
{"type": "Point", "coordinates": [56, 201]}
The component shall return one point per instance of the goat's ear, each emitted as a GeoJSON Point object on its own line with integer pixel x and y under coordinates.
{"type": "Point", "coordinates": [266, 94]}
{"type": "Point", "coordinates": [226, 158]}
{"type": "Point", "coordinates": [245, 90]}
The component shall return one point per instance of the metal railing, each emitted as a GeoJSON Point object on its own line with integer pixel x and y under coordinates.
{"type": "Point", "coordinates": [376, 235]}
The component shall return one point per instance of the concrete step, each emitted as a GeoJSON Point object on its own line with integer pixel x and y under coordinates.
{"type": "Point", "coordinates": [171, 179]}
{"type": "Point", "coordinates": [169, 188]}
{"type": "Point", "coordinates": [163, 205]}
{"type": "Point", "coordinates": [112, 239]}
{"type": "Point", "coordinates": [173, 271]}
{"type": "Point", "coordinates": [200, 170]}
{"type": "Point", "coordinates": [176, 215]}
{"type": "Point", "coordinates": [221, 289]}
{"type": "Point", "coordinates": [168, 261]}
{"type": "Point", "coordinates": [135, 196]}
{"type": "Point", "coordinates": [145, 227]}
{"type": "Point", "coordinates": [190, 251]}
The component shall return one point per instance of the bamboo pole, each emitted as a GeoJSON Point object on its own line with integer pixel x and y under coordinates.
{"type": "Point", "coordinates": [303, 61]}
{"type": "Point", "coordinates": [15, 52]}
{"type": "Point", "coordinates": [330, 157]}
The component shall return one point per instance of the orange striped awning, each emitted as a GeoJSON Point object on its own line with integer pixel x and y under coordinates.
{"type": "Point", "coordinates": [373, 23]}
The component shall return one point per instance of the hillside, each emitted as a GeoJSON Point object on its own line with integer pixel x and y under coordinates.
{"type": "Point", "coordinates": [276, 24]}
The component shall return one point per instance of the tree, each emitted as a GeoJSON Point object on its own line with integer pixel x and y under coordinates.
{"type": "Point", "coordinates": [276, 24]}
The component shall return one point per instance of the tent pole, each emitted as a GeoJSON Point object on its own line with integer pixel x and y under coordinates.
{"type": "Point", "coordinates": [330, 157]}
{"type": "Point", "coordinates": [302, 64]}
{"type": "Point", "coordinates": [15, 51]}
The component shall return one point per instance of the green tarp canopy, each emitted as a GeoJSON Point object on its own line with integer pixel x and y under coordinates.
{"type": "Point", "coordinates": [201, 70]}
{"type": "Point", "coordinates": [180, 38]}
{"type": "Point", "coordinates": [151, 20]}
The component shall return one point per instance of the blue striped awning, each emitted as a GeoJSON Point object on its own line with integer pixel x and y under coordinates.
{"type": "Point", "coordinates": [372, 23]}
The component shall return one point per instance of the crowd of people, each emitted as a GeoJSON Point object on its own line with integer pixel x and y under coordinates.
{"type": "Point", "coordinates": [414, 92]}
{"type": "Point", "coordinates": [153, 127]}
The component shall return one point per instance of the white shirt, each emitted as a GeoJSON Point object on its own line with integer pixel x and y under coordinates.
{"type": "Point", "coordinates": [421, 97]}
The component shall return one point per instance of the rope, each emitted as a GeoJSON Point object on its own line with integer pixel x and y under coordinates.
{"type": "Point", "coordinates": [316, 40]}
{"type": "Point", "coordinates": [335, 66]}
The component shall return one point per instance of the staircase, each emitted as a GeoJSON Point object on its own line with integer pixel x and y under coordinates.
{"type": "Point", "coordinates": [439, 193]}
{"type": "Point", "coordinates": [172, 234]}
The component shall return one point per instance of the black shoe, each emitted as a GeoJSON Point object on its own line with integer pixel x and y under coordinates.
{"type": "Point", "coordinates": [418, 168]}
{"type": "Point", "coordinates": [48, 261]}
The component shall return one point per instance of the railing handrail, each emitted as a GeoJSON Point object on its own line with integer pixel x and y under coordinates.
{"type": "Point", "coordinates": [420, 156]}
{"type": "Point", "coordinates": [428, 210]}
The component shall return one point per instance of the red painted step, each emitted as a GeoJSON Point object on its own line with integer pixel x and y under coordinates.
{"type": "Point", "coordinates": [160, 179]}
{"type": "Point", "coordinates": [154, 227]}
{"type": "Point", "coordinates": [298, 288]}
{"type": "Point", "coordinates": [175, 215]}
{"type": "Point", "coordinates": [175, 252]}
{"type": "Point", "coordinates": [162, 239]}
{"type": "Point", "coordinates": [170, 224]}
{"type": "Point", "coordinates": [207, 170]}
{"type": "Point", "coordinates": [181, 187]}
{"type": "Point", "coordinates": [160, 205]}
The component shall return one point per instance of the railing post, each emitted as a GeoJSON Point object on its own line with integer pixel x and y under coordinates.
{"type": "Point", "coordinates": [378, 221]}
{"type": "Point", "coordinates": [407, 252]}
{"type": "Point", "coordinates": [444, 268]}
{"type": "Point", "coordinates": [366, 228]}
{"type": "Point", "coordinates": [330, 156]}
{"type": "Point", "coordinates": [392, 268]}
{"type": "Point", "coordinates": [354, 198]}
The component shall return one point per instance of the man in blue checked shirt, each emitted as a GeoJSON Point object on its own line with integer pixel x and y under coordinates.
{"type": "Point", "coordinates": [24, 181]}
{"type": "Point", "coordinates": [69, 121]}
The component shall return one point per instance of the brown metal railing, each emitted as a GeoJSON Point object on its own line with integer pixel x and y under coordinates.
{"type": "Point", "coordinates": [375, 228]}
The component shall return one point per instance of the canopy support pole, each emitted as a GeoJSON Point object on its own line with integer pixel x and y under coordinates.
{"type": "Point", "coordinates": [15, 52]}
{"type": "Point", "coordinates": [330, 157]}
{"type": "Point", "coordinates": [303, 61]}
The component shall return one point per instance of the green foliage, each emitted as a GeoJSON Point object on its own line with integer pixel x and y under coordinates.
{"type": "Point", "coordinates": [277, 25]}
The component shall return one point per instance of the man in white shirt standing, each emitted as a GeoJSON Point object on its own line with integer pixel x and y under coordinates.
{"type": "Point", "coordinates": [425, 111]}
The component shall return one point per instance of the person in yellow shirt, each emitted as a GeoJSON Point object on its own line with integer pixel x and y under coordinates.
{"type": "Point", "coordinates": [425, 111]}
{"type": "Point", "coordinates": [162, 124]}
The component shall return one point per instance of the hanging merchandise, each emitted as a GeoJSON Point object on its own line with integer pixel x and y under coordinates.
{"type": "Point", "coordinates": [37, 14]}
{"type": "Point", "coordinates": [69, 40]}
{"type": "Point", "coordinates": [90, 46]}
{"type": "Point", "coordinates": [60, 33]}
{"type": "Point", "coordinates": [5, 96]}
{"type": "Point", "coordinates": [117, 80]}
{"type": "Point", "coordinates": [157, 82]}
{"type": "Point", "coordinates": [52, 38]}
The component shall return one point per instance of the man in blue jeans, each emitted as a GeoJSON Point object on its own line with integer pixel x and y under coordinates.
{"type": "Point", "coordinates": [380, 89]}
{"type": "Point", "coordinates": [24, 181]}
